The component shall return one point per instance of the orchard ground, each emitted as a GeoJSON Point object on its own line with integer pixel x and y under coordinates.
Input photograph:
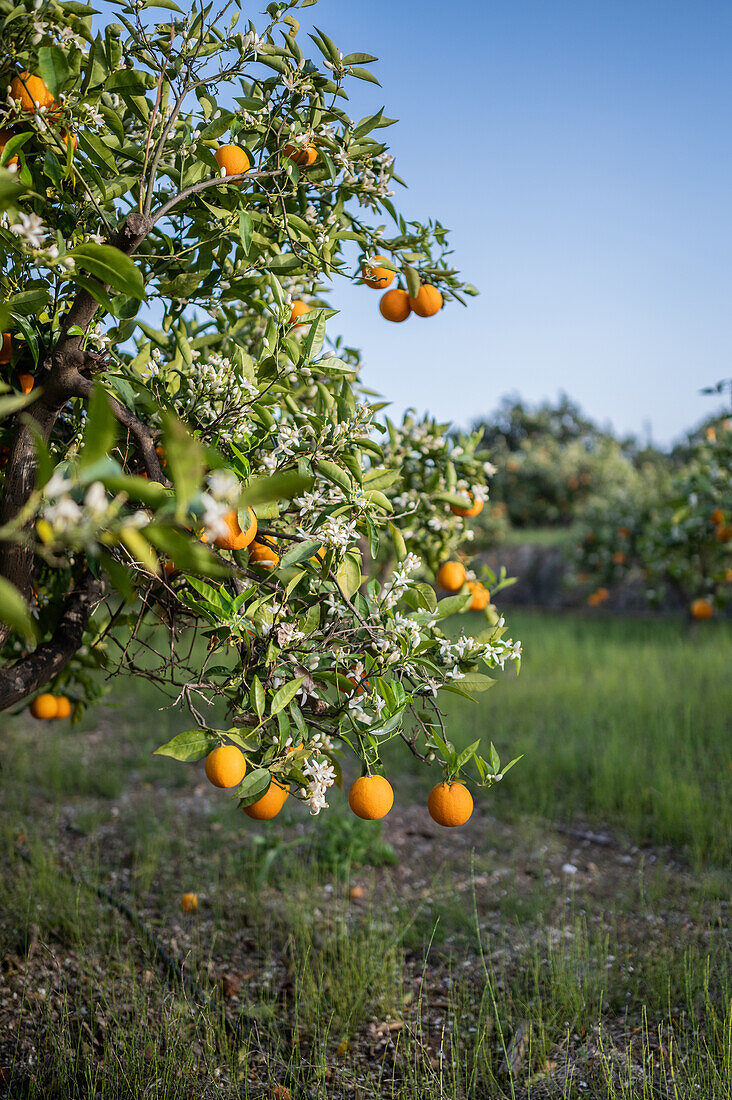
{"type": "Point", "coordinates": [571, 941]}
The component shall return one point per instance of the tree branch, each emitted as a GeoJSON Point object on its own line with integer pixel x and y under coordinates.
{"type": "Point", "coordinates": [35, 670]}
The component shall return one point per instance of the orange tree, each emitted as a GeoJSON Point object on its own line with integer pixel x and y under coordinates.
{"type": "Point", "coordinates": [676, 529]}
{"type": "Point", "coordinates": [184, 451]}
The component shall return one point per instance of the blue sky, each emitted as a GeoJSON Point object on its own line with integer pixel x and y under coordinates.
{"type": "Point", "coordinates": [581, 153]}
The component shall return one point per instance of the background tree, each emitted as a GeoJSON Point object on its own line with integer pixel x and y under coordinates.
{"type": "Point", "coordinates": [192, 472]}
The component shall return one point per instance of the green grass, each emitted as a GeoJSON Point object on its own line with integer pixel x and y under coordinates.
{"type": "Point", "coordinates": [622, 721]}
{"type": "Point", "coordinates": [612, 985]}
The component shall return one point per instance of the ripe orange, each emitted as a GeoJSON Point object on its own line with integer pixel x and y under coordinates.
{"type": "Point", "coordinates": [450, 804]}
{"type": "Point", "coordinates": [378, 278]}
{"type": "Point", "coordinates": [270, 804]}
{"type": "Point", "coordinates": [263, 555]}
{"type": "Point", "coordinates": [717, 516]}
{"type": "Point", "coordinates": [232, 159]}
{"type": "Point", "coordinates": [702, 609]}
{"type": "Point", "coordinates": [66, 134]}
{"type": "Point", "coordinates": [44, 707]}
{"type": "Point", "coordinates": [27, 381]}
{"type": "Point", "coordinates": [619, 557]}
{"type": "Point", "coordinates": [356, 893]}
{"type": "Point", "coordinates": [303, 155]}
{"type": "Point", "coordinates": [31, 91]}
{"type": "Point", "coordinates": [428, 301]}
{"type": "Point", "coordinates": [481, 596]}
{"type": "Point", "coordinates": [394, 305]}
{"type": "Point", "coordinates": [474, 510]}
{"type": "Point", "coordinates": [371, 797]}
{"type": "Point", "coordinates": [624, 532]}
{"type": "Point", "coordinates": [723, 533]}
{"type": "Point", "coordinates": [7, 348]}
{"type": "Point", "coordinates": [5, 136]}
{"type": "Point", "coordinates": [451, 576]}
{"type": "Point", "coordinates": [236, 539]}
{"type": "Point", "coordinates": [63, 706]}
{"type": "Point", "coordinates": [298, 309]}
{"type": "Point", "coordinates": [225, 766]}
{"type": "Point", "coordinates": [598, 597]}
{"type": "Point", "coordinates": [189, 903]}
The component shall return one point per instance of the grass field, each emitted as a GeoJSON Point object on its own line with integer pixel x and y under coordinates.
{"type": "Point", "coordinates": [572, 941]}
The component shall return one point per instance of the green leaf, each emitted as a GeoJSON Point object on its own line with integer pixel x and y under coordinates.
{"type": "Point", "coordinates": [281, 486]}
{"type": "Point", "coordinates": [285, 695]}
{"type": "Point", "coordinates": [335, 474]}
{"type": "Point", "coordinates": [253, 786]}
{"type": "Point", "coordinates": [14, 611]}
{"type": "Point", "coordinates": [256, 696]}
{"type": "Point", "coordinates": [101, 428]}
{"type": "Point", "coordinates": [188, 746]}
{"type": "Point", "coordinates": [301, 551]}
{"type": "Point", "coordinates": [364, 74]}
{"type": "Point", "coordinates": [245, 231]}
{"type": "Point", "coordinates": [452, 605]}
{"type": "Point", "coordinates": [412, 278]}
{"type": "Point", "coordinates": [399, 544]}
{"type": "Point", "coordinates": [348, 576]}
{"type": "Point", "coordinates": [10, 189]}
{"type": "Point", "coordinates": [111, 266]}
{"type": "Point", "coordinates": [53, 68]}
{"type": "Point", "coordinates": [185, 459]}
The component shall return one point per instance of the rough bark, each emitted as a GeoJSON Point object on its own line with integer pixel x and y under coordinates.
{"type": "Point", "coordinates": [48, 659]}
{"type": "Point", "coordinates": [59, 381]}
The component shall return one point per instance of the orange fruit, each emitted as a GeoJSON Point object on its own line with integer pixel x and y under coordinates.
{"type": "Point", "coordinates": [319, 555]}
{"type": "Point", "coordinates": [394, 305]}
{"type": "Point", "coordinates": [624, 532]}
{"type": "Point", "coordinates": [359, 686]}
{"type": "Point", "coordinates": [451, 576]}
{"type": "Point", "coordinates": [263, 555]}
{"type": "Point", "coordinates": [7, 348]}
{"type": "Point", "coordinates": [5, 136]}
{"type": "Point", "coordinates": [711, 434]}
{"type": "Point", "coordinates": [170, 568]}
{"type": "Point", "coordinates": [303, 155]}
{"type": "Point", "coordinates": [236, 539]}
{"type": "Point", "coordinates": [298, 309]}
{"type": "Point", "coordinates": [450, 804]}
{"type": "Point", "coordinates": [225, 766]}
{"type": "Point", "coordinates": [702, 609]}
{"type": "Point", "coordinates": [270, 804]}
{"type": "Point", "coordinates": [481, 596]}
{"type": "Point", "coordinates": [474, 510]}
{"type": "Point", "coordinates": [63, 706]}
{"type": "Point", "coordinates": [232, 159]}
{"type": "Point", "coordinates": [189, 903]}
{"type": "Point", "coordinates": [619, 557]}
{"type": "Point", "coordinates": [371, 797]}
{"type": "Point", "coordinates": [44, 707]}
{"type": "Point", "coordinates": [723, 533]}
{"type": "Point", "coordinates": [66, 134]}
{"type": "Point", "coordinates": [378, 278]}
{"type": "Point", "coordinates": [31, 91]}
{"type": "Point", "coordinates": [728, 576]}
{"type": "Point", "coordinates": [428, 301]}
{"type": "Point", "coordinates": [598, 597]}
{"type": "Point", "coordinates": [356, 893]}
{"type": "Point", "coordinates": [717, 516]}
{"type": "Point", "coordinates": [26, 381]}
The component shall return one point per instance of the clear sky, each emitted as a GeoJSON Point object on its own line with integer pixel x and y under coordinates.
{"type": "Point", "coordinates": [581, 151]}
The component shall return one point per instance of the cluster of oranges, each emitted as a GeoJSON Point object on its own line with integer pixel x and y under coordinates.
{"type": "Point", "coordinates": [48, 706]}
{"type": "Point", "coordinates": [371, 796]}
{"type": "Point", "coordinates": [397, 304]}
{"type": "Point", "coordinates": [722, 530]}
{"type": "Point", "coordinates": [452, 576]}
{"type": "Point", "coordinates": [599, 596]}
{"type": "Point", "coordinates": [234, 161]}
